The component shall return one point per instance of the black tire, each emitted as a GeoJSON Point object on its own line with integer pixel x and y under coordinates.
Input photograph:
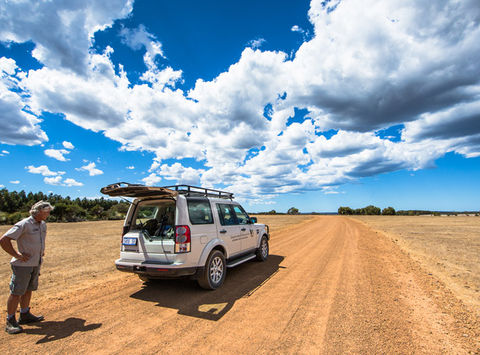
{"type": "Point", "coordinates": [263, 249]}
{"type": "Point", "coordinates": [213, 274]}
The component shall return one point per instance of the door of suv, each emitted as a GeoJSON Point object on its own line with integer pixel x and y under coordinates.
{"type": "Point", "coordinates": [246, 228]}
{"type": "Point", "coordinates": [229, 229]}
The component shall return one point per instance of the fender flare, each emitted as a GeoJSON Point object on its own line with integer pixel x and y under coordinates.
{"type": "Point", "coordinates": [208, 249]}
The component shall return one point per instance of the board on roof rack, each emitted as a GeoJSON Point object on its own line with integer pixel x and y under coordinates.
{"type": "Point", "coordinates": [135, 190]}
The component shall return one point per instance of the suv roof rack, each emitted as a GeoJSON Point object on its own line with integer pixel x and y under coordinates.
{"type": "Point", "coordinates": [199, 191]}
{"type": "Point", "coordinates": [139, 190]}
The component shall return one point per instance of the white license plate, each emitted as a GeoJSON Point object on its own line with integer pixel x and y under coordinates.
{"type": "Point", "coordinates": [129, 241]}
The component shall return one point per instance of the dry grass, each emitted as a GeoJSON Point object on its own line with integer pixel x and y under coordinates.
{"type": "Point", "coordinates": [448, 247]}
{"type": "Point", "coordinates": [276, 222]}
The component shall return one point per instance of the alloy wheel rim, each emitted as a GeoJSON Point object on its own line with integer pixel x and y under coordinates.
{"type": "Point", "coordinates": [264, 248]}
{"type": "Point", "coordinates": [216, 269]}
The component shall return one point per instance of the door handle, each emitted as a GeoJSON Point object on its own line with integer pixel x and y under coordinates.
{"type": "Point", "coordinates": [223, 231]}
{"type": "Point", "coordinates": [243, 229]}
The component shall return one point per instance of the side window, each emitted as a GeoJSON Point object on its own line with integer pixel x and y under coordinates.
{"type": "Point", "coordinates": [241, 215]}
{"type": "Point", "coordinates": [200, 212]}
{"type": "Point", "coordinates": [227, 217]}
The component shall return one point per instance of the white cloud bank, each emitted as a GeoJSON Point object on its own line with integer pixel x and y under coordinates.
{"type": "Point", "coordinates": [369, 65]}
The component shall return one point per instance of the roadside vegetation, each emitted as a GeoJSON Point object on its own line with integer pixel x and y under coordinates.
{"type": "Point", "coordinates": [15, 206]}
{"type": "Point", "coordinates": [390, 211]}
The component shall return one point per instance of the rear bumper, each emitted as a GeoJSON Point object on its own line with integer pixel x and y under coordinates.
{"type": "Point", "coordinates": [155, 270]}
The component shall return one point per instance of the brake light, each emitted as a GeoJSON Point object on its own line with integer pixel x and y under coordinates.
{"type": "Point", "coordinates": [182, 239]}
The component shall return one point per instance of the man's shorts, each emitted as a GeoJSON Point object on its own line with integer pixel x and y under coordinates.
{"type": "Point", "coordinates": [24, 278]}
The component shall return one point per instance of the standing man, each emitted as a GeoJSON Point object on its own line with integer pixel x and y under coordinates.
{"type": "Point", "coordinates": [30, 235]}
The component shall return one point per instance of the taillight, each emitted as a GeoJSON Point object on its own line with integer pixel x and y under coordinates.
{"type": "Point", "coordinates": [182, 239]}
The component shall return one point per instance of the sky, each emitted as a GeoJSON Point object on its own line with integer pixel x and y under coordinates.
{"type": "Point", "coordinates": [306, 104]}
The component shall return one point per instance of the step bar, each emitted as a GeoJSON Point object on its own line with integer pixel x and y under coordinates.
{"type": "Point", "coordinates": [240, 260]}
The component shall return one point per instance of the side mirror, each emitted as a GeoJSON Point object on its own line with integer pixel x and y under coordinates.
{"type": "Point", "coordinates": [253, 220]}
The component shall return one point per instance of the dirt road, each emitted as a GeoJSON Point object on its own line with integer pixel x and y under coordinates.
{"type": "Point", "coordinates": [330, 285]}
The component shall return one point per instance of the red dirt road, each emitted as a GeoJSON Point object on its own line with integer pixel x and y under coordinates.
{"type": "Point", "coordinates": [330, 285]}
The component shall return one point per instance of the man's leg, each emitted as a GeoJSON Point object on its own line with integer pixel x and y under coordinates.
{"type": "Point", "coordinates": [25, 315]}
{"type": "Point", "coordinates": [12, 326]}
{"type": "Point", "coordinates": [25, 299]}
{"type": "Point", "coordinates": [12, 304]}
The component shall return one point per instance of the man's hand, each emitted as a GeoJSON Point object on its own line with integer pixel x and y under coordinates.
{"type": "Point", "coordinates": [23, 256]}
{"type": "Point", "coordinates": [6, 244]}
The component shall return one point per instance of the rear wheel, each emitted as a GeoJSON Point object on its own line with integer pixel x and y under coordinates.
{"type": "Point", "coordinates": [214, 272]}
{"type": "Point", "coordinates": [263, 249]}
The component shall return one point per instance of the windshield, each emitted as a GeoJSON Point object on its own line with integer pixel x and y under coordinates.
{"type": "Point", "coordinates": [157, 218]}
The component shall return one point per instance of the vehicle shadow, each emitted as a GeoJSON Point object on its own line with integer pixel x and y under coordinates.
{"type": "Point", "coordinates": [186, 296]}
{"type": "Point", "coordinates": [58, 330]}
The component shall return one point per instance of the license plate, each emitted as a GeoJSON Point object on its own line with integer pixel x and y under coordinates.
{"type": "Point", "coordinates": [129, 241]}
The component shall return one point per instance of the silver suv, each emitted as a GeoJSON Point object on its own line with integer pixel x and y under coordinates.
{"type": "Point", "coordinates": [183, 230]}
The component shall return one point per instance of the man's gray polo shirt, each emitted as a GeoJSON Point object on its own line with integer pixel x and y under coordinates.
{"type": "Point", "coordinates": [30, 236]}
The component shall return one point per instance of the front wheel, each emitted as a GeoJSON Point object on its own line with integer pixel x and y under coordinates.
{"type": "Point", "coordinates": [262, 251]}
{"type": "Point", "coordinates": [214, 272]}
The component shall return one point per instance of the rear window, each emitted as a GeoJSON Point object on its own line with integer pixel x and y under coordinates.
{"type": "Point", "coordinates": [200, 212]}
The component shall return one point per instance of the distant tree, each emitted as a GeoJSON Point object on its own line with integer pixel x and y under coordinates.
{"type": "Point", "coordinates": [97, 212]}
{"type": "Point", "coordinates": [59, 212]}
{"type": "Point", "coordinates": [389, 211]}
{"type": "Point", "coordinates": [272, 212]}
{"type": "Point", "coordinates": [345, 210]}
{"type": "Point", "coordinates": [292, 210]}
{"type": "Point", "coordinates": [118, 211]}
{"type": "Point", "coordinates": [371, 210]}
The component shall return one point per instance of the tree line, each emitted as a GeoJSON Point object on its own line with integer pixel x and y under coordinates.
{"type": "Point", "coordinates": [390, 211]}
{"type": "Point", "coordinates": [15, 206]}
{"type": "Point", "coordinates": [368, 210]}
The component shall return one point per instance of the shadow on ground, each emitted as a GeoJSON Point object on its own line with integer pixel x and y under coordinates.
{"type": "Point", "coordinates": [58, 330]}
{"type": "Point", "coordinates": [186, 296]}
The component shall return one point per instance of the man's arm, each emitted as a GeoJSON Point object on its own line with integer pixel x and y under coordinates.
{"type": "Point", "coordinates": [6, 244]}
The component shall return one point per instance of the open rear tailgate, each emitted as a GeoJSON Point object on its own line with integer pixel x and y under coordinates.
{"type": "Point", "coordinates": [134, 190]}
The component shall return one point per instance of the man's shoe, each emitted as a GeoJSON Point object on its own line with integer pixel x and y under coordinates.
{"type": "Point", "coordinates": [29, 318]}
{"type": "Point", "coordinates": [12, 327]}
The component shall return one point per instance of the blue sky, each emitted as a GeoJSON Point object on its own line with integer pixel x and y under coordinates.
{"type": "Point", "coordinates": [312, 104]}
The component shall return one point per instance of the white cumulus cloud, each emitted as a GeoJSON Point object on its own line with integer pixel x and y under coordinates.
{"type": "Point", "coordinates": [68, 145]}
{"type": "Point", "coordinates": [152, 179]}
{"type": "Point", "coordinates": [91, 169]}
{"type": "Point", "coordinates": [72, 182]}
{"type": "Point", "coordinates": [61, 30]}
{"type": "Point", "coordinates": [43, 170]}
{"type": "Point", "coordinates": [58, 154]}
